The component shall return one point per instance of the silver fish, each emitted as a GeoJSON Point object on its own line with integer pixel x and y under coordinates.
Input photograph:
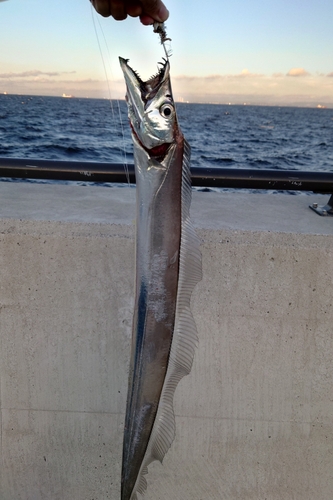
{"type": "Point", "coordinates": [168, 266]}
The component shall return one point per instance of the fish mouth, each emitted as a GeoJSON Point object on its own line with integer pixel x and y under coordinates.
{"type": "Point", "coordinates": [152, 129]}
{"type": "Point", "coordinates": [147, 89]}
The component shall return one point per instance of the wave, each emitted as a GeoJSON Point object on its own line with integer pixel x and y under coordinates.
{"type": "Point", "coordinates": [220, 135]}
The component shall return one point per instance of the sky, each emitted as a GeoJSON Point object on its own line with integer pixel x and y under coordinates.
{"type": "Point", "coordinates": [275, 52]}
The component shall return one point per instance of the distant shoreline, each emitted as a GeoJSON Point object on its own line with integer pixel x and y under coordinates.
{"type": "Point", "coordinates": [315, 105]}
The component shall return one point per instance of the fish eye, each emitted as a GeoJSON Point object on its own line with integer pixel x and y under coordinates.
{"type": "Point", "coordinates": [166, 110]}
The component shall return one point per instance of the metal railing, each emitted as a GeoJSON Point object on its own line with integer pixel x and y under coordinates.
{"type": "Point", "coordinates": [239, 178]}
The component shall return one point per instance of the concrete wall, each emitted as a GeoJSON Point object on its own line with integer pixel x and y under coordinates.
{"type": "Point", "coordinates": [255, 416]}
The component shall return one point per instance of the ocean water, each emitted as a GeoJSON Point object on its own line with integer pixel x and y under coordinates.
{"type": "Point", "coordinates": [257, 137]}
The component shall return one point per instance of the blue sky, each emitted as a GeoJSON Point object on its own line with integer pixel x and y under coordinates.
{"type": "Point", "coordinates": [256, 51]}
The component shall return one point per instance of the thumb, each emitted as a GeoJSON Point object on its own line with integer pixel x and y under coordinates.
{"type": "Point", "coordinates": [155, 9]}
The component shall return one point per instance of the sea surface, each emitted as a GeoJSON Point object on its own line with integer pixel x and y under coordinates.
{"type": "Point", "coordinates": [233, 136]}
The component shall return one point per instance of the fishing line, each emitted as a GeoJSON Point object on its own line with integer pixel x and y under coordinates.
{"type": "Point", "coordinates": [123, 148]}
{"type": "Point", "coordinates": [118, 106]}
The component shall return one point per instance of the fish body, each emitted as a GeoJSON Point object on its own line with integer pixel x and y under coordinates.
{"type": "Point", "coordinates": [168, 266]}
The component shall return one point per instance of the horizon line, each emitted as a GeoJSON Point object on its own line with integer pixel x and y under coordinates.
{"type": "Point", "coordinates": [304, 104]}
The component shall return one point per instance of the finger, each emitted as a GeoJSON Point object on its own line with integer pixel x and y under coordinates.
{"type": "Point", "coordinates": [133, 8]}
{"type": "Point", "coordinates": [146, 20]}
{"type": "Point", "coordinates": [102, 7]}
{"type": "Point", "coordinates": [117, 9]}
{"type": "Point", "coordinates": [155, 10]}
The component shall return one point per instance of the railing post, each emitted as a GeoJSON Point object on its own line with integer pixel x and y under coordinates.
{"type": "Point", "coordinates": [325, 209]}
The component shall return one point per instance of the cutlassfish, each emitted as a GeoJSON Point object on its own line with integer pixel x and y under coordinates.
{"type": "Point", "coordinates": [168, 266]}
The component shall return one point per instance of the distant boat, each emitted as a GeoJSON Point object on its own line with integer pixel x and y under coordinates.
{"type": "Point", "coordinates": [68, 96]}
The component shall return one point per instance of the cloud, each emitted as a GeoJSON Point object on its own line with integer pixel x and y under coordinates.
{"type": "Point", "coordinates": [245, 73]}
{"type": "Point", "coordinates": [57, 86]}
{"type": "Point", "coordinates": [278, 88]}
{"type": "Point", "coordinates": [34, 73]}
{"type": "Point", "coordinates": [79, 81]}
{"type": "Point", "coordinates": [297, 72]}
{"type": "Point", "coordinates": [218, 79]}
{"type": "Point", "coordinates": [238, 87]}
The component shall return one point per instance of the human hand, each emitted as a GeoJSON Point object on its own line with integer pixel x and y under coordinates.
{"type": "Point", "coordinates": [149, 11]}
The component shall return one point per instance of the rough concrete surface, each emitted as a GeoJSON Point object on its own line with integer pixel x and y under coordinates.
{"type": "Point", "coordinates": [255, 416]}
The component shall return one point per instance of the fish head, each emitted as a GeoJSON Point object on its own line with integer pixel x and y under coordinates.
{"type": "Point", "coordinates": [151, 109]}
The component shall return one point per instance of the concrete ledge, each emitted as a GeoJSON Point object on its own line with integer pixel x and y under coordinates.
{"type": "Point", "coordinates": [248, 212]}
{"type": "Point", "coordinates": [254, 418]}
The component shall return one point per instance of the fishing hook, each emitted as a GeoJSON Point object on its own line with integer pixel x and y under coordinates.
{"type": "Point", "coordinates": [161, 30]}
